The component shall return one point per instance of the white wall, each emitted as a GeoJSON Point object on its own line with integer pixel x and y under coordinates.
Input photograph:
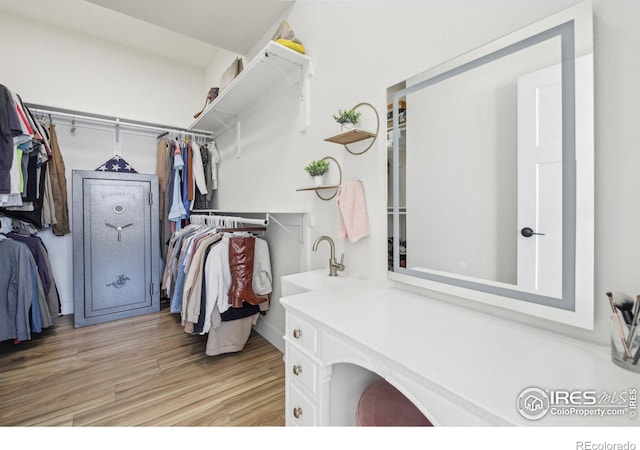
{"type": "Point", "coordinates": [361, 48]}
{"type": "Point", "coordinates": [54, 67]}
{"type": "Point", "coordinates": [51, 66]}
{"type": "Point", "coordinates": [358, 50]}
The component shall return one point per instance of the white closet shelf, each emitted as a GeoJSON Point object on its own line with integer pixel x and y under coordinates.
{"type": "Point", "coordinates": [249, 211]}
{"type": "Point", "coordinates": [268, 217]}
{"type": "Point", "coordinates": [275, 68]}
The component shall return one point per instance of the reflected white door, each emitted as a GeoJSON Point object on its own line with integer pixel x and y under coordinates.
{"type": "Point", "coordinates": [540, 181]}
{"type": "Point", "coordinates": [540, 173]}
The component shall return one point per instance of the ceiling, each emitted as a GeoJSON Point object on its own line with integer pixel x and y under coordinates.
{"type": "Point", "coordinates": [191, 31]}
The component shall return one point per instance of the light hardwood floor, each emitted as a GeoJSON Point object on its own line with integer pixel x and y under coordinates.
{"type": "Point", "coordinates": [143, 371]}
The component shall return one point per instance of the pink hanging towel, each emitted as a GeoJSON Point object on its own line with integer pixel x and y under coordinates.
{"type": "Point", "coordinates": [354, 219]}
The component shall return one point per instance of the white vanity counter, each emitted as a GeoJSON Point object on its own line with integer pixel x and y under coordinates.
{"type": "Point", "coordinates": [459, 367]}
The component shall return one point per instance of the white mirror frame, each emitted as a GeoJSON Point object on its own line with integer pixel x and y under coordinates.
{"type": "Point", "coordinates": [576, 307]}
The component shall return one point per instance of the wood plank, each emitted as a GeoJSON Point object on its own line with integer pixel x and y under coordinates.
{"type": "Point", "coordinates": [141, 371]}
{"type": "Point", "coordinates": [351, 136]}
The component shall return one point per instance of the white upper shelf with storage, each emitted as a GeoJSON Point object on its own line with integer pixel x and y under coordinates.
{"type": "Point", "coordinates": [275, 69]}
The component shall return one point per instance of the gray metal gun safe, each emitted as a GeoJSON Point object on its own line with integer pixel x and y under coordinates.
{"type": "Point", "coordinates": [116, 255]}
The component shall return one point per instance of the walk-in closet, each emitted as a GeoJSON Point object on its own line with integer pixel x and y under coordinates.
{"type": "Point", "coordinates": [127, 281]}
{"type": "Point", "coordinates": [255, 221]}
{"type": "Point", "coordinates": [90, 329]}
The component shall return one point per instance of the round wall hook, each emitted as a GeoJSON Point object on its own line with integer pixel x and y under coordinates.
{"type": "Point", "coordinates": [346, 146]}
{"type": "Point", "coordinates": [339, 180]}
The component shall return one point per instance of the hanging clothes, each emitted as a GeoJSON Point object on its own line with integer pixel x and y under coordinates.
{"type": "Point", "coordinates": [200, 189]}
{"type": "Point", "coordinates": [45, 271]}
{"type": "Point", "coordinates": [14, 198]}
{"type": "Point", "coordinates": [47, 206]}
{"type": "Point", "coordinates": [163, 170]}
{"type": "Point", "coordinates": [189, 180]}
{"type": "Point", "coordinates": [192, 177]}
{"type": "Point", "coordinates": [187, 177]}
{"type": "Point", "coordinates": [214, 160]}
{"type": "Point", "coordinates": [171, 263]}
{"type": "Point", "coordinates": [230, 335]}
{"type": "Point", "coordinates": [218, 291]}
{"type": "Point", "coordinates": [16, 263]}
{"type": "Point", "coordinates": [25, 307]}
{"type": "Point", "coordinates": [206, 168]}
{"type": "Point", "coordinates": [32, 175]}
{"type": "Point", "coordinates": [192, 312]}
{"type": "Point", "coordinates": [188, 248]}
{"type": "Point", "coordinates": [58, 185]}
{"type": "Point", "coordinates": [10, 127]}
{"type": "Point", "coordinates": [177, 211]}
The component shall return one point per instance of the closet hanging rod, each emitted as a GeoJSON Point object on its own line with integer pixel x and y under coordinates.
{"type": "Point", "coordinates": [39, 109]}
{"type": "Point", "coordinates": [245, 220]}
{"type": "Point", "coordinates": [268, 218]}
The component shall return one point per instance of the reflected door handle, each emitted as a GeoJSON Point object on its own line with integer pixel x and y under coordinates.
{"type": "Point", "coordinates": [528, 232]}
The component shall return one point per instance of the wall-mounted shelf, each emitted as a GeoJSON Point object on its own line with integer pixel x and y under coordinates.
{"type": "Point", "coordinates": [350, 136]}
{"type": "Point", "coordinates": [275, 69]}
{"type": "Point", "coordinates": [326, 187]}
{"type": "Point", "coordinates": [319, 188]}
{"type": "Point", "coordinates": [356, 135]}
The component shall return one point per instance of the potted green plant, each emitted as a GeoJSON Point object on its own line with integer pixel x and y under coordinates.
{"type": "Point", "coordinates": [347, 118]}
{"type": "Point", "coordinates": [316, 170]}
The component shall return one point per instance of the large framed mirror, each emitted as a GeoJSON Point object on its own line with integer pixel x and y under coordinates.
{"type": "Point", "coordinates": [491, 172]}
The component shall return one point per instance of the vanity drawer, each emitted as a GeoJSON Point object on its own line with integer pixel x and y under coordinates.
{"type": "Point", "coordinates": [300, 410]}
{"type": "Point", "coordinates": [302, 333]}
{"type": "Point", "coordinates": [301, 370]}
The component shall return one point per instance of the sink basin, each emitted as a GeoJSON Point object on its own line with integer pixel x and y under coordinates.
{"type": "Point", "coordinates": [315, 280]}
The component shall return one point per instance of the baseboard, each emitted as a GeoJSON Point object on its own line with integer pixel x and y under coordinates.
{"type": "Point", "coordinates": [271, 334]}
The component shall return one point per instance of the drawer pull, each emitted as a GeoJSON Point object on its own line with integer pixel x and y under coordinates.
{"type": "Point", "coordinates": [297, 333]}
{"type": "Point", "coordinates": [297, 412]}
{"type": "Point", "coordinates": [297, 369]}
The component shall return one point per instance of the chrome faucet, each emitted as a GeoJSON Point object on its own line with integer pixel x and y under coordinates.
{"type": "Point", "coordinates": [334, 265]}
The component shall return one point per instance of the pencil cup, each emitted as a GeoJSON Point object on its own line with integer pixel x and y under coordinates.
{"type": "Point", "coordinates": [625, 344]}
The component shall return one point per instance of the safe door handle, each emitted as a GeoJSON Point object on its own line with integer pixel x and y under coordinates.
{"type": "Point", "coordinates": [528, 232]}
{"type": "Point", "coordinates": [118, 229]}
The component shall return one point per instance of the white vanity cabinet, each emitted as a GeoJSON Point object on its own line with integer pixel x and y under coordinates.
{"type": "Point", "coordinates": [303, 374]}
{"type": "Point", "coordinates": [459, 367]}
{"type": "Point", "coordinates": [326, 373]}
